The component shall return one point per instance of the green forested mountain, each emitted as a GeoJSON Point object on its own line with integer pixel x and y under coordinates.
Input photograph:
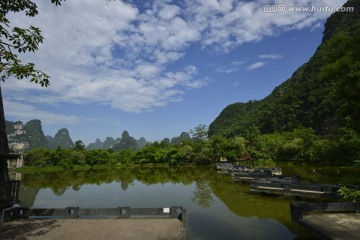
{"type": "Point", "coordinates": [234, 119]}
{"type": "Point", "coordinates": [184, 136]}
{"type": "Point", "coordinates": [322, 95]}
{"type": "Point", "coordinates": [36, 134]}
{"type": "Point", "coordinates": [126, 142]}
{"type": "Point", "coordinates": [61, 139]}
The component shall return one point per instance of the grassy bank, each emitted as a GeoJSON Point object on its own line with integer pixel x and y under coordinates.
{"type": "Point", "coordinates": [31, 169]}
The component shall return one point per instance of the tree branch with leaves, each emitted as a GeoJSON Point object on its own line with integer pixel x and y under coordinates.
{"type": "Point", "coordinates": [15, 40]}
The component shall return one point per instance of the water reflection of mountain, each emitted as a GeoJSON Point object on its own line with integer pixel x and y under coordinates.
{"type": "Point", "coordinates": [59, 182]}
{"type": "Point", "coordinates": [28, 195]}
{"type": "Point", "coordinates": [236, 197]}
{"type": "Point", "coordinates": [124, 185]}
{"type": "Point", "coordinates": [59, 191]}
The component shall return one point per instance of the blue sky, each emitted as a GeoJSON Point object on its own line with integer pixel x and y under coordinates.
{"type": "Point", "coordinates": [157, 68]}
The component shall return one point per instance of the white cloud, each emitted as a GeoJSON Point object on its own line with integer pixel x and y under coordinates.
{"type": "Point", "coordinates": [256, 65]}
{"type": "Point", "coordinates": [238, 83]}
{"type": "Point", "coordinates": [227, 24]}
{"type": "Point", "coordinates": [26, 112]}
{"type": "Point", "coordinates": [147, 71]}
{"type": "Point", "coordinates": [112, 53]}
{"type": "Point", "coordinates": [270, 56]}
{"type": "Point", "coordinates": [169, 12]}
{"type": "Point", "coordinates": [231, 68]}
{"type": "Point", "coordinates": [109, 53]}
{"type": "Point", "coordinates": [166, 57]}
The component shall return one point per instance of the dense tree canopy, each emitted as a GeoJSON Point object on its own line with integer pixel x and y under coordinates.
{"type": "Point", "coordinates": [200, 132]}
{"type": "Point", "coordinates": [298, 146]}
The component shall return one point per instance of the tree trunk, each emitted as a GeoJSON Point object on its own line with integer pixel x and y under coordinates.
{"type": "Point", "coordinates": [4, 146]}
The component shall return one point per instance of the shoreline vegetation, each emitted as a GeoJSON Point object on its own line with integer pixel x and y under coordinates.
{"type": "Point", "coordinates": [257, 163]}
{"type": "Point", "coordinates": [32, 169]}
{"type": "Point", "coordinates": [301, 146]}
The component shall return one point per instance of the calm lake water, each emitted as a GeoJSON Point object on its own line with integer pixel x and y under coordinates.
{"type": "Point", "coordinates": [216, 208]}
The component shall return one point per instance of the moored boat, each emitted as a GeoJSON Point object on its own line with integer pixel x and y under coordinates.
{"type": "Point", "coordinates": [311, 190]}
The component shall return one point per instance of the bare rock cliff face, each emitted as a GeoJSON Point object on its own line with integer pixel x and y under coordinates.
{"type": "Point", "coordinates": [18, 137]}
{"type": "Point", "coordinates": [22, 137]}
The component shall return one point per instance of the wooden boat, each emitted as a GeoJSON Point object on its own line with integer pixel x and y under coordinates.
{"type": "Point", "coordinates": [272, 171]}
{"type": "Point", "coordinates": [311, 190]}
{"type": "Point", "coordinates": [281, 179]}
{"type": "Point", "coordinates": [223, 166]}
{"type": "Point", "coordinates": [247, 177]}
{"type": "Point", "coordinates": [264, 178]}
{"type": "Point", "coordinates": [238, 169]}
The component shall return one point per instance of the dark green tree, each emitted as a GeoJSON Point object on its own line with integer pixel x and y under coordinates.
{"type": "Point", "coordinates": [79, 145]}
{"type": "Point", "coordinates": [200, 132]}
{"type": "Point", "coordinates": [38, 157]}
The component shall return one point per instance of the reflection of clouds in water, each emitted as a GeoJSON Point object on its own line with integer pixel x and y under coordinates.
{"type": "Point", "coordinates": [204, 226]}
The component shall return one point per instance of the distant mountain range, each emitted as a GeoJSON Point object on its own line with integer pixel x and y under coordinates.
{"type": "Point", "coordinates": [25, 137]}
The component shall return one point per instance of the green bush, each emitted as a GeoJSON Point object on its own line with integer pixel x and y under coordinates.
{"type": "Point", "coordinates": [349, 194]}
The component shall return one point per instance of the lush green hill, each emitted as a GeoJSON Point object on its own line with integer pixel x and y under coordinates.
{"type": "Point", "coordinates": [233, 119]}
{"type": "Point", "coordinates": [323, 94]}
{"type": "Point", "coordinates": [36, 134]}
{"type": "Point", "coordinates": [62, 139]}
